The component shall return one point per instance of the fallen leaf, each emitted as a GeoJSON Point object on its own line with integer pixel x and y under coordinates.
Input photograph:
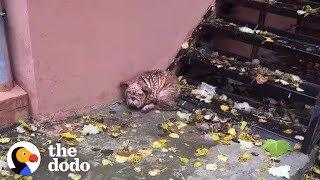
{"type": "Point", "coordinates": [185, 45]}
{"type": "Point", "coordinates": [69, 135]}
{"type": "Point", "coordinates": [183, 115]}
{"type": "Point", "coordinates": [232, 132]}
{"type": "Point", "coordinates": [5, 140]}
{"type": "Point", "coordinates": [102, 127]}
{"type": "Point", "coordinates": [224, 108]}
{"type": "Point", "coordinates": [174, 135]}
{"type": "Point", "coordinates": [121, 159]}
{"type": "Point", "coordinates": [297, 146]}
{"type": "Point", "coordinates": [159, 144]}
{"type": "Point", "coordinates": [211, 167]}
{"type": "Point", "coordinates": [215, 137]}
{"type": "Point", "coordinates": [184, 160]}
{"type": "Point", "coordinates": [197, 164]}
{"type": "Point", "coordinates": [107, 162]}
{"type": "Point", "coordinates": [74, 176]}
{"type": "Point", "coordinates": [137, 169]}
{"type": "Point", "coordinates": [261, 79]}
{"type": "Point", "coordinates": [281, 171]}
{"type": "Point", "coordinates": [20, 129]}
{"type": "Point", "coordinates": [277, 147]}
{"type": "Point", "coordinates": [201, 151]}
{"type": "Point", "coordinates": [154, 172]}
{"type": "Point", "coordinates": [243, 125]}
{"type": "Point", "coordinates": [244, 157]}
{"type": "Point", "coordinates": [181, 125]}
{"type": "Point", "coordinates": [135, 158]}
{"type": "Point", "coordinates": [246, 144]}
{"type": "Point", "coordinates": [222, 158]}
{"type": "Point", "coordinates": [288, 131]}
{"type": "Point", "coordinates": [145, 152]}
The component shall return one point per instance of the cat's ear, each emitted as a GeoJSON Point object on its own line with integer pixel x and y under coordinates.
{"type": "Point", "coordinates": [124, 84]}
{"type": "Point", "coordinates": [146, 90]}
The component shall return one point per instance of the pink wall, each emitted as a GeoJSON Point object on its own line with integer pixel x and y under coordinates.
{"type": "Point", "coordinates": [71, 55]}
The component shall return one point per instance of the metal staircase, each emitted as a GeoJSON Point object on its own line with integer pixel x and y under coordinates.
{"type": "Point", "coordinates": [299, 58]}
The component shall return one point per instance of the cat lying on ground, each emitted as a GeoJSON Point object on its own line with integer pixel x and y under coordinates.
{"type": "Point", "coordinates": [152, 89]}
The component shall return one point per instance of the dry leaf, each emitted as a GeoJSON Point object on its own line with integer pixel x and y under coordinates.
{"type": "Point", "coordinates": [222, 158]}
{"type": "Point", "coordinates": [69, 135]}
{"type": "Point", "coordinates": [261, 79]}
{"type": "Point", "coordinates": [174, 135]}
{"type": "Point", "coordinates": [244, 157]}
{"type": "Point", "coordinates": [288, 131]}
{"type": "Point", "coordinates": [121, 159]}
{"type": "Point", "coordinates": [297, 146]}
{"type": "Point", "coordinates": [232, 132]}
{"type": "Point", "coordinates": [224, 108]}
{"type": "Point", "coordinates": [5, 140]}
{"type": "Point", "coordinates": [145, 152]}
{"type": "Point", "coordinates": [183, 115]}
{"type": "Point", "coordinates": [197, 164]}
{"type": "Point", "coordinates": [107, 162]}
{"type": "Point", "coordinates": [184, 160]}
{"type": "Point", "coordinates": [74, 176]}
{"type": "Point", "coordinates": [154, 172]}
{"type": "Point", "coordinates": [160, 144]}
{"type": "Point", "coordinates": [215, 137]}
{"type": "Point", "coordinates": [243, 125]}
{"type": "Point", "coordinates": [211, 167]}
{"type": "Point", "coordinates": [201, 151]}
{"type": "Point", "coordinates": [137, 169]}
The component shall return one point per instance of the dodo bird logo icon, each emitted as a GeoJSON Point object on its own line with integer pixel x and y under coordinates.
{"type": "Point", "coordinates": [23, 158]}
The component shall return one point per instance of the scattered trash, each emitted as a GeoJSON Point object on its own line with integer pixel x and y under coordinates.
{"type": "Point", "coordinates": [90, 129]}
{"type": "Point", "coordinates": [243, 106]}
{"type": "Point", "coordinates": [281, 171]}
{"type": "Point", "coordinates": [154, 172]}
{"type": "Point", "coordinates": [211, 167]}
{"type": "Point", "coordinates": [74, 176]}
{"type": "Point", "coordinates": [204, 92]}
{"type": "Point", "coordinates": [183, 115]}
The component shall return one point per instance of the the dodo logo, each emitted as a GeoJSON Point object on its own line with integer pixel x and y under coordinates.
{"type": "Point", "coordinates": [23, 158]}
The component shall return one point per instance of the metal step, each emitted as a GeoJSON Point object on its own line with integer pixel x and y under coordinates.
{"type": "Point", "coordinates": [299, 49]}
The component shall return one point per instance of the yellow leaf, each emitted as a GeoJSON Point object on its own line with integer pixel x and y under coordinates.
{"type": "Point", "coordinates": [154, 172]}
{"type": "Point", "coordinates": [202, 151]}
{"type": "Point", "coordinates": [288, 131]}
{"type": "Point", "coordinates": [145, 152]}
{"type": "Point", "coordinates": [297, 146]}
{"type": "Point", "coordinates": [224, 108]}
{"type": "Point", "coordinates": [232, 132]}
{"type": "Point", "coordinates": [69, 135]}
{"type": "Point", "coordinates": [211, 167]}
{"type": "Point", "coordinates": [102, 127]}
{"type": "Point", "coordinates": [87, 117]}
{"type": "Point", "coordinates": [106, 162]}
{"type": "Point", "coordinates": [181, 125]}
{"type": "Point", "coordinates": [184, 160]}
{"type": "Point", "coordinates": [5, 140]}
{"type": "Point", "coordinates": [174, 135]}
{"type": "Point", "coordinates": [135, 158]}
{"type": "Point", "coordinates": [74, 176]}
{"type": "Point", "coordinates": [244, 157]}
{"type": "Point", "coordinates": [243, 125]}
{"type": "Point", "coordinates": [159, 144]}
{"type": "Point", "coordinates": [197, 164]}
{"type": "Point", "coordinates": [222, 158]}
{"type": "Point", "coordinates": [137, 169]}
{"type": "Point", "coordinates": [215, 137]}
{"type": "Point", "coordinates": [121, 159]}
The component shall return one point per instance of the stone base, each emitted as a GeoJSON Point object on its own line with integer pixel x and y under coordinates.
{"type": "Point", "coordinates": [14, 104]}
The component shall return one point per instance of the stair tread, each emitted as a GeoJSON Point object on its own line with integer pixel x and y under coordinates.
{"type": "Point", "coordinates": [308, 96]}
{"type": "Point", "coordinates": [267, 40]}
{"type": "Point", "coordinates": [280, 8]}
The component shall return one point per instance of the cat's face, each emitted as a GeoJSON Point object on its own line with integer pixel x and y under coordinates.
{"type": "Point", "coordinates": [135, 95]}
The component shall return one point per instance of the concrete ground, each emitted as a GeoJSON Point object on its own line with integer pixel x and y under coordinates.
{"type": "Point", "coordinates": [140, 131]}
